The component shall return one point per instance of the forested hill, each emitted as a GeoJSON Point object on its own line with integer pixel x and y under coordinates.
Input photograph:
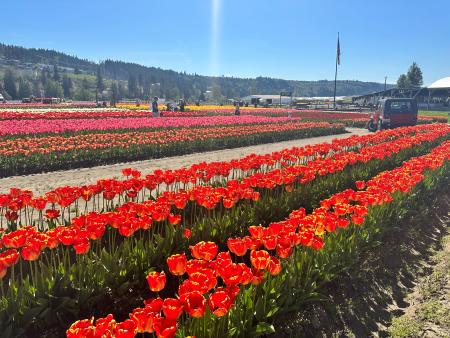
{"type": "Point", "coordinates": [72, 77]}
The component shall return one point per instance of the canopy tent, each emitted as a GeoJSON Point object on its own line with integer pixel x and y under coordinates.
{"type": "Point", "coordinates": [443, 83]}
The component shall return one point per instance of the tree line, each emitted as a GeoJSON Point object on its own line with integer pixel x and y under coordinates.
{"type": "Point", "coordinates": [56, 74]}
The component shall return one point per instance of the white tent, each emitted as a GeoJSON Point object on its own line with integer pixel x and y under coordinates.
{"type": "Point", "coordinates": [441, 84]}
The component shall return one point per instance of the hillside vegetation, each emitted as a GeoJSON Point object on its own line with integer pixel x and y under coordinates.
{"type": "Point", "coordinates": [26, 71]}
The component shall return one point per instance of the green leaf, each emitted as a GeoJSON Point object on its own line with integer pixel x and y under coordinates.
{"type": "Point", "coordinates": [261, 329]}
{"type": "Point", "coordinates": [259, 310]}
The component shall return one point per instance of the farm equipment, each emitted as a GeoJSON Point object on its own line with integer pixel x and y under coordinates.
{"type": "Point", "coordinates": [392, 113]}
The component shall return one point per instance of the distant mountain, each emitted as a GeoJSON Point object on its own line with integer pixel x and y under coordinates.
{"type": "Point", "coordinates": [43, 71]}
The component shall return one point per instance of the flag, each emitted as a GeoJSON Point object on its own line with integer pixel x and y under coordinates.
{"type": "Point", "coordinates": [338, 55]}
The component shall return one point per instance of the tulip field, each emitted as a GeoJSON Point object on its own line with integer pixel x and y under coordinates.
{"type": "Point", "coordinates": [33, 141]}
{"type": "Point", "coordinates": [30, 154]}
{"type": "Point", "coordinates": [219, 249]}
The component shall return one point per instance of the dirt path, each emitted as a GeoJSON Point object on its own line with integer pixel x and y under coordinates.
{"type": "Point", "coordinates": [41, 183]}
{"type": "Point", "coordinates": [428, 313]}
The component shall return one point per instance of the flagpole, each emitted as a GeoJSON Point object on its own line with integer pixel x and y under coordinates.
{"type": "Point", "coordinates": [335, 77]}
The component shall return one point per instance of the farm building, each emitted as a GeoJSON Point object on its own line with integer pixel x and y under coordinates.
{"type": "Point", "coordinates": [267, 99]}
{"type": "Point", "coordinates": [436, 95]}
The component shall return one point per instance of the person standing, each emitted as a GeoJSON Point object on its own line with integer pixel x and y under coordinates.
{"type": "Point", "coordinates": [182, 106]}
{"type": "Point", "coordinates": [237, 111]}
{"type": "Point", "coordinates": [155, 112]}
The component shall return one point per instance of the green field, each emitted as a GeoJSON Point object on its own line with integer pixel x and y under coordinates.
{"type": "Point", "coordinates": [433, 113]}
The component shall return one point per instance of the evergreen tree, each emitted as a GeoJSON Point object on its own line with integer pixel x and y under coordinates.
{"type": "Point", "coordinates": [132, 86]}
{"type": "Point", "coordinates": [67, 86]}
{"type": "Point", "coordinates": [56, 75]}
{"type": "Point", "coordinates": [83, 94]}
{"type": "Point", "coordinates": [53, 89]}
{"type": "Point", "coordinates": [415, 76]}
{"type": "Point", "coordinates": [9, 83]}
{"type": "Point", "coordinates": [122, 92]}
{"type": "Point", "coordinates": [100, 84]}
{"type": "Point", "coordinates": [114, 93]}
{"type": "Point", "coordinates": [403, 82]}
{"type": "Point", "coordinates": [85, 84]}
{"type": "Point", "coordinates": [24, 89]}
{"type": "Point", "coordinates": [43, 77]}
{"type": "Point", "coordinates": [36, 91]}
{"type": "Point", "coordinates": [77, 70]}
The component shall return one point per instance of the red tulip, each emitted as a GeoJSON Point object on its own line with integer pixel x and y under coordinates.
{"type": "Point", "coordinates": [156, 281]}
{"type": "Point", "coordinates": [194, 304]}
{"type": "Point", "coordinates": [174, 219]}
{"type": "Point", "coordinates": [9, 257]}
{"type": "Point", "coordinates": [52, 213]}
{"type": "Point", "coordinates": [177, 264]}
{"type": "Point", "coordinates": [105, 327]}
{"type": "Point", "coordinates": [259, 259]}
{"type": "Point", "coordinates": [204, 250]}
{"type": "Point", "coordinates": [360, 185]}
{"type": "Point", "coordinates": [126, 329]}
{"type": "Point", "coordinates": [219, 302]}
{"type": "Point", "coordinates": [237, 246]}
{"type": "Point", "coordinates": [172, 308]}
{"type": "Point", "coordinates": [81, 328]}
{"type": "Point", "coordinates": [274, 266]}
{"type": "Point", "coordinates": [187, 233]}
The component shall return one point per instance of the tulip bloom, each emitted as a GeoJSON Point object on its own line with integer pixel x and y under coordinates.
{"type": "Point", "coordinates": [187, 233]}
{"type": "Point", "coordinates": [219, 302]}
{"type": "Point", "coordinates": [81, 328]}
{"type": "Point", "coordinates": [259, 259]}
{"type": "Point", "coordinates": [177, 264]}
{"type": "Point", "coordinates": [274, 266]}
{"type": "Point", "coordinates": [172, 308]}
{"type": "Point", "coordinates": [156, 281]}
{"type": "Point", "coordinates": [126, 329]}
{"type": "Point", "coordinates": [194, 304]}
{"type": "Point", "coordinates": [237, 246]}
{"type": "Point", "coordinates": [105, 327]}
{"type": "Point", "coordinates": [360, 185]}
{"type": "Point", "coordinates": [52, 213]}
{"type": "Point", "coordinates": [204, 250]}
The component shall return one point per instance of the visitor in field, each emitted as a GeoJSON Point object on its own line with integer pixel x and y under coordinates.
{"type": "Point", "coordinates": [237, 111]}
{"type": "Point", "coordinates": [155, 112]}
{"type": "Point", "coordinates": [182, 106]}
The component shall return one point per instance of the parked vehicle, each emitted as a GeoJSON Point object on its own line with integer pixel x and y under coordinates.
{"type": "Point", "coordinates": [393, 113]}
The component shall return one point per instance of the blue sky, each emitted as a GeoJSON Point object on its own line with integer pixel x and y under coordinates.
{"type": "Point", "coordinates": [291, 39]}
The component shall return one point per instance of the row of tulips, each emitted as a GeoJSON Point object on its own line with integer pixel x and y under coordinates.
{"type": "Point", "coordinates": [152, 230]}
{"type": "Point", "coordinates": [70, 125]}
{"type": "Point", "coordinates": [50, 144]}
{"type": "Point", "coordinates": [35, 154]}
{"type": "Point", "coordinates": [39, 105]}
{"type": "Point", "coordinates": [245, 282]}
{"type": "Point", "coordinates": [21, 207]}
{"type": "Point", "coordinates": [123, 113]}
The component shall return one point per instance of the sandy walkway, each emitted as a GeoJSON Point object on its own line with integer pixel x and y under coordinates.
{"type": "Point", "coordinates": [41, 183]}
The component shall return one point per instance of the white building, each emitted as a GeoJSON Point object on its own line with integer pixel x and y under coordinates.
{"type": "Point", "coordinates": [267, 99]}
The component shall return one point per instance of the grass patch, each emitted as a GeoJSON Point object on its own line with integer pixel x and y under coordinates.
{"type": "Point", "coordinates": [404, 327]}
{"type": "Point", "coordinates": [433, 113]}
{"type": "Point", "coordinates": [435, 312]}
